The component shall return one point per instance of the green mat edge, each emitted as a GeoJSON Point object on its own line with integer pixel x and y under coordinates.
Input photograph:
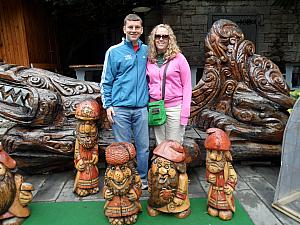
{"type": "Point", "coordinates": [95, 208]}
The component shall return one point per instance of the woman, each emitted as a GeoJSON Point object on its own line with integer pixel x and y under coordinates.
{"type": "Point", "coordinates": [162, 47]}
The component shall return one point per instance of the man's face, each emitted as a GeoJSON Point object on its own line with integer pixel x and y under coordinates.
{"type": "Point", "coordinates": [215, 161]}
{"type": "Point", "coordinates": [164, 169]}
{"type": "Point", "coordinates": [87, 134]}
{"type": "Point", "coordinates": [133, 30]}
{"type": "Point", "coordinates": [118, 176]}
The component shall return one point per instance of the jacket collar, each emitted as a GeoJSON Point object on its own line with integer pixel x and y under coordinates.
{"type": "Point", "coordinates": [129, 43]}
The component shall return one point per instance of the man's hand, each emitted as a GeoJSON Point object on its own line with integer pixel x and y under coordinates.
{"type": "Point", "coordinates": [228, 189]}
{"type": "Point", "coordinates": [177, 201]}
{"type": "Point", "coordinates": [212, 178]}
{"type": "Point", "coordinates": [25, 196]}
{"type": "Point", "coordinates": [110, 114]}
{"type": "Point", "coordinates": [108, 195]}
{"type": "Point", "coordinates": [132, 195]}
{"type": "Point", "coordinates": [80, 165]}
{"type": "Point", "coordinates": [94, 159]}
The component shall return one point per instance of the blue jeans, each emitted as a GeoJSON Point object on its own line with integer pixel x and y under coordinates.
{"type": "Point", "coordinates": [134, 120]}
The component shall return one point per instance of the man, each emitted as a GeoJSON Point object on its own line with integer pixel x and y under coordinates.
{"type": "Point", "coordinates": [124, 91]}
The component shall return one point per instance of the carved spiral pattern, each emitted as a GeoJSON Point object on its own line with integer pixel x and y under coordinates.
{"type": "Point", "coordinates": [245, 50]}
{"type": "Point", "coordinates": [240, 92]}
{"type": "Point", "coordinates": [34, 79]}
{"type": "Point", "coordinates": [266, 75]}
{"type": "Point", "coordinates": [230, 87]}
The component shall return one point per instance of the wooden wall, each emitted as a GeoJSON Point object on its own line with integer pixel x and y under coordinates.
{"type": "Point", "coordinates": [27, 34]}
{"type": "Point", "coordinates": [12, 33]}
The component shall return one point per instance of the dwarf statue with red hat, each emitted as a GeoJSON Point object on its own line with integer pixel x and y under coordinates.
{"type": "Point", "coordinates": [220, 174]}
{"type": "Point", "coordinates": [122, 184]}
{"type": "Point", "coordinates": [86, 148]}
{"type": "Point", "coordinates": [15, 194]}
{"type": "Point", "coordinates": [168, 181]}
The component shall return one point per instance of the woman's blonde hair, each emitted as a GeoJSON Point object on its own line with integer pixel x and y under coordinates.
{"type": "Point", "coordinates": [172, 48]}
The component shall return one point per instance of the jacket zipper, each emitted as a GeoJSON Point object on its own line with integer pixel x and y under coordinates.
{"type": "Point", "coordinates": [137, 76]}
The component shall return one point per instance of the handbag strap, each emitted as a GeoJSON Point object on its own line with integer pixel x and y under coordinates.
{"type": "Point", "coordinates": [164, 81]}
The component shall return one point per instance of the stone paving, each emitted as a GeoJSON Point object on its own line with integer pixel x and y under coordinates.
{"type": "Point", "coordinates": [255, 190]}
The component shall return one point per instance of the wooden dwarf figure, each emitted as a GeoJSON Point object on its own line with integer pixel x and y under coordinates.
{"type": "Point", "coordinates": [220, 174]}
{"type": "Point", "coordinates": [122, 184]}
{"type": "Point", "coordinates": [168, 181]}
{"type": "Point", "coordinates": [15, 195]}
{"type": "Point", "coordinates": [86, 148]}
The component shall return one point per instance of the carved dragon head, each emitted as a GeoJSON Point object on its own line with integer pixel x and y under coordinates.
{"type": "Point", "coordinates": [42, 104]}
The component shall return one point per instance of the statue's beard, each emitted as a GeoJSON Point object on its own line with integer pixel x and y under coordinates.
{"type": "Point", "coordinates": [215, 166]}
{"type": "Point", "coordinates": [7, 191]}
{"type": "Point", "coordinates": [88, 144]}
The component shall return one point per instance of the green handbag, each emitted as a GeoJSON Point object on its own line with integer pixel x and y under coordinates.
{"type": "Point", "coordinates": [157, 113]}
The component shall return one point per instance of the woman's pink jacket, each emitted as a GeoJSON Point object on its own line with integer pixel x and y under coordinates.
{"type": "Point", "coordinates": [178, 89]}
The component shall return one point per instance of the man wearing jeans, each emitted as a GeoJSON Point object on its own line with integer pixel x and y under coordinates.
{"type": "Point", "coordinates": [124, 91]}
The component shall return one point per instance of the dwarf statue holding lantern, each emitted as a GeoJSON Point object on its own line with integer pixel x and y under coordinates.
{"type": "Point", "coordinates": [15, 194]}
{"type": "Point", "coordinates": [220, 174]}
{"type": "Point", "coordinates": [168, 181]}
{"type": "Point", "coordinates": [86, 148]}
{"type": "Point", "coordinates": [122, 184]}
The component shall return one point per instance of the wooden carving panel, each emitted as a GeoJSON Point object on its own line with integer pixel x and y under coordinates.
{"type": "Point", "coordinates": [240, 92]}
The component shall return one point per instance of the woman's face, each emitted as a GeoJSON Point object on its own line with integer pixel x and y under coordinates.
{"type": "Point", "coordinates": [161, 39]}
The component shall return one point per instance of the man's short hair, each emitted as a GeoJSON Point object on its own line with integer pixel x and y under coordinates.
{"type": "Point", "coordinates": [132, 17]}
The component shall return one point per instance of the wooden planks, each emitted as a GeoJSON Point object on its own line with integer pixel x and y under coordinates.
{"type": "Point", "coordinates": [26, 33]}
{"type": "Point", "coordinates": [13, 37]}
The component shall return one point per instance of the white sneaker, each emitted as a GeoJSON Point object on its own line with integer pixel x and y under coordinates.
{"type": "Point", "coordinates": [144, 185]}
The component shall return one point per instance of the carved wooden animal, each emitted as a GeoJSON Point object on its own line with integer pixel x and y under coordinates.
{"type": "Point", "coordinates": [42, 104]}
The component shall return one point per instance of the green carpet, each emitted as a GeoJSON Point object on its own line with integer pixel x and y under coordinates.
{"type": "Point", "coordinates": [91, 213]}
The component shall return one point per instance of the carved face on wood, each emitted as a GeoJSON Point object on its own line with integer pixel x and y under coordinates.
{"type": "Point", "coordinates": [164, 169]}
{"type": "Point", "coordinates": [87, 134]}
{"type": "Point", "coordinates": [119, 177]}
{"type": "Point", "coordinates": [7, 189]}
{"type": "Point", "coordinates": [215, 161]}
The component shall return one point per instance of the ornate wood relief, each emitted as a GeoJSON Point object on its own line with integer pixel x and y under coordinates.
{"type": "Point", "coordinates": [240, 92]}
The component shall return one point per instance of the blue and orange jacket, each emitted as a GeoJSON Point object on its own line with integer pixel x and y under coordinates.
{"type": "Point", "coordinates": [123, 81]}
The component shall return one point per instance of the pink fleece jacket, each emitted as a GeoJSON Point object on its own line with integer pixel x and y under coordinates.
{"type": "Point", "coordinates": [178, 88]}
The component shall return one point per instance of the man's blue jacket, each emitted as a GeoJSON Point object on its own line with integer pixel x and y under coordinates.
{"type": "Point", "coordinates": [123, 81]}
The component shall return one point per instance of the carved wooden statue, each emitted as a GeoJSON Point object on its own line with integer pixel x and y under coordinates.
{"type": "Point", "coordinates": [220, 174]}
{"type": "Point", "coordinates": [122, 184]}
{"type": "Point", "coordinates": [42, 104]}
{"type": "Point", "coordinates": [168, 181]}
{"type": "Point", "coordinates": [15, 195]}
{"type": "Point", "coordinates": [240, 92]}
{"type": "Point", "coordinates": [86, 148]}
